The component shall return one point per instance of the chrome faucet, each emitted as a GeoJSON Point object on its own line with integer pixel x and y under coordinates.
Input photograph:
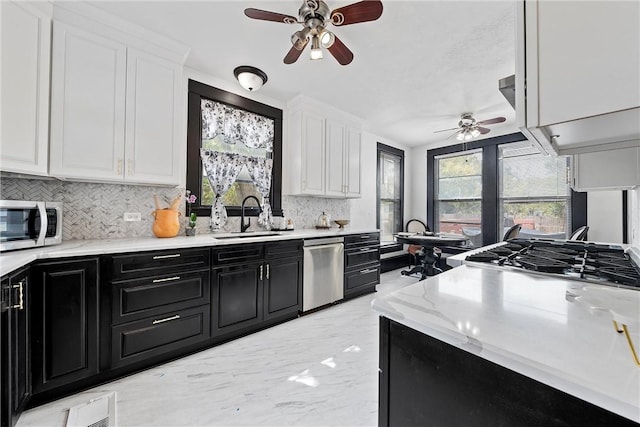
{"type": "Point", "coordinates": [244, 227]}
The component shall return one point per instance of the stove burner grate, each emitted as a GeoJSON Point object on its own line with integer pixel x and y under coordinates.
{"type": "Point", "coordinates": [546, 265]}
{"type": "Point", "coordinates": [623, 275]}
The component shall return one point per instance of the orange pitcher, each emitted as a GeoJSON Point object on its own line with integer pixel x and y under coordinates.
{"type": "Point", "coordinates": [166, 223]}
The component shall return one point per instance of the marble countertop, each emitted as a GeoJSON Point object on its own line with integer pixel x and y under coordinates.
{"type": "Point", "coordinates": [559, 332]}
{"type": "Point", "coordinates": [10, 261]}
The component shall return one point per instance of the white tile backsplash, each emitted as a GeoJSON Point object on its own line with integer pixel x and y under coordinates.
{"type": "Point", "coordinates": [95, 211]}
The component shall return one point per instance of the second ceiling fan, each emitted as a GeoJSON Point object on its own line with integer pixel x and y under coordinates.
{"type": "Point", "coordinates": [468, 128]}
{"type": "Point", "coordinates": [315, 15]}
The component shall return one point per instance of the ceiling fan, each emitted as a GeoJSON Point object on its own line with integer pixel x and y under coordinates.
{"type": "Point", "coordinates": [468, 128]}
{"type": "Point", "coordinates": [315, 15]}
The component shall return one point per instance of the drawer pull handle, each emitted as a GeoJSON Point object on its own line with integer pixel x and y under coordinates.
{"type": "Point", "coordinates": [365, 236]}
{"type": "Point", "coordinates": [168, 319]}
{"type": "Point", "coordinates": [166, 256]}
{"type": "Point", "coordinates": [168, 279]}
{"type": "Point", "coordinates": [368, 270]}
{"type": "Point", "coordinates": [20, 304]}
{"type": "Point", "coordinates": [363, 250]}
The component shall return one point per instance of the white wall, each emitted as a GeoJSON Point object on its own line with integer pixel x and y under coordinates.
{"type": "Point", "coordinates": [604, 216]}
{"type": "Point", "coordinates": [363, 210]}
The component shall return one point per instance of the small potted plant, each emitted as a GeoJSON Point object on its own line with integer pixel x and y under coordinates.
{"type": "Point", "coordinates": [190, 230]}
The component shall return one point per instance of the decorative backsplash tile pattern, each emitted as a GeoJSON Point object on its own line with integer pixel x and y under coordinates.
{"type": "Point", "coordinates": [95, 211]}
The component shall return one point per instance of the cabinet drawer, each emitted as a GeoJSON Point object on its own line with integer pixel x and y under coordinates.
{"type": "Point", "coordinates": [130, 266]}
{"type": "Point", "coordinates": [143, 339]}
{"type": "Point", "coordinates": [140, 298]}
{"type": "Point", "coordinates": [361, 256]}
{"type": "Point", "coordinates": [286, 249]}
{"type": "Point", "coordinates": [238, 254]}
{"type": "Point", "coordinates": [361, 278]}
{"type": "Point", "coordinates": [364, 239]}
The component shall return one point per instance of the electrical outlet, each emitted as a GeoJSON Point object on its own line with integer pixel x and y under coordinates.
{"type": "Point", "coordinates": [132, 216]}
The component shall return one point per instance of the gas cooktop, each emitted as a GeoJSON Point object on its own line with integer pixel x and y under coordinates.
{"type": "Point", "coordinates": [585, 261]}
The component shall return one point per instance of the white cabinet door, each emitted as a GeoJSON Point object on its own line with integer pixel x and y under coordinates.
{"type": "Point", "coordinates": [24, 123]}
{"type": "Point", "coordinates": [313, 161]}
{"type": "Point", "coordinates": [588, 58]}
{"type": "Point", "coordinates": [352, 163]}
{"type": "Point", "coordinates": [335, 159]}
{"type": "Point", "coordinates": [87, 106]}
{"type": "Point", "coordinates": [153, 100]}
{"type": "Point", "coordinates": [606, 170]}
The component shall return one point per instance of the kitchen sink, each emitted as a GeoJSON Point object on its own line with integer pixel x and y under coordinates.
{"type": "Point", "coordinates": [246, 234]}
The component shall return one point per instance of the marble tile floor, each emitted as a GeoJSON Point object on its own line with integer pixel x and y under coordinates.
{"type": "Point", "coordinates": [320, 369]}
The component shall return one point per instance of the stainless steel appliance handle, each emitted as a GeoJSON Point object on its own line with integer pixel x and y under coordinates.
{"type": "Point", "coordinates": [43, 223]}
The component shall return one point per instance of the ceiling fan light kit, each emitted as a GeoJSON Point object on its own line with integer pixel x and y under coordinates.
{"type": "Point", "coordinates": [468, 128]}
{"type": "Point", "coordinates": [315, 15]}
{"type": "Point", "coordinates": [250, 78]}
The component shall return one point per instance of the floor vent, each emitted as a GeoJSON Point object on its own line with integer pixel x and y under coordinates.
{"type": "Point", "coordinates": [98, 412]}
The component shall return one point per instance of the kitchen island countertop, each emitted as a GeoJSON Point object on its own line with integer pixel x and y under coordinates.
{"type": "Point", "coordinates": [544, 328]}
{"type": "Point", "coordinates": [10, 261]}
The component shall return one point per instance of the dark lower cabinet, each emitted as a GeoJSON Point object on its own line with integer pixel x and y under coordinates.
{"type": "Point", "coordinates": [426, 382]}
{"type": "Point", "coordinates": [361, 264]}
{"type": "Point", "coordinates": [253, 286]}
{"type": "Point", "coordinates": [64, 328]}
{"type": "Point", "coordinates": [15, 359]}
{"type": "Point", "coordinates": [237, 297]}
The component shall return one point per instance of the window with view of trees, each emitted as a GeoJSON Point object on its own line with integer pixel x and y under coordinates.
{"type": "Point", "coordinates": [390, 191]}
{"type": "Point", "coordinates": [534, 192]}
{"type": "Point", "coordinates": [479, 188]}
{"type": "Point", "coordinates": [459, 195]}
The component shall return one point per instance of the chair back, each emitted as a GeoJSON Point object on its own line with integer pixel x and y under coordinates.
{"type": "Point", "coordinates": [416, 226]}
{"type": "Point", "coordinates": [513, 232]}
{"type": "Point", "coordinates": [580, 233]}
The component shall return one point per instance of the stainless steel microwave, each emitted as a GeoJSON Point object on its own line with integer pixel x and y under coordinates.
{"type": "Point", "coordinates": [25, 224]}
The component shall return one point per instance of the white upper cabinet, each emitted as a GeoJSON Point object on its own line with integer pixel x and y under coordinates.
{"type": "Point", "coordinates": [343, 160]}
{"type": "Point", "coordinates": [577, 85]}
{"type": "Point", "coordinates": [606, 170]}
{"type": "Point", "coordinates": [25, 60]}
{"type": "Point", "coordinates": [153, 101]}
{"type": "Point", "coordinates": [117, 111]}
{"type": "Point", "coordinates": [87, 105]}
{"type": "Point", "coordinates": [323, 152]}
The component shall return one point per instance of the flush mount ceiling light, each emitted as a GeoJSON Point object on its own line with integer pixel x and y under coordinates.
{"type": "Point", "coordinates": [250, 77]}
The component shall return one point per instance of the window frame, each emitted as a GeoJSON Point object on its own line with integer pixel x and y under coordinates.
{"type": "Point", "coordinates": [490, 183]}
{"type": "Point", "coordinates": [383, 148]}
{"type": "Point", "coordinates": [197, 91]}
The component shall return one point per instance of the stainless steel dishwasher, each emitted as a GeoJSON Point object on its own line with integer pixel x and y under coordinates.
{"type": "Point", "coordinates": [323, 272]}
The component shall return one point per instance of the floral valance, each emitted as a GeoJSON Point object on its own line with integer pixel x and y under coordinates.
{"type": "Point", "coordinates": [236, 125]}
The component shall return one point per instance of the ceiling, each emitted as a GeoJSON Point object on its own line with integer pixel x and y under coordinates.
{"type": "Point", "coordinates": [415, 70]}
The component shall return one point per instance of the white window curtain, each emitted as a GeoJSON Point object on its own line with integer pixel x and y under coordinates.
{"type": "Point", "coordinates": [222, 170]}
{"type": "Point", "coordinates": [260, 171]}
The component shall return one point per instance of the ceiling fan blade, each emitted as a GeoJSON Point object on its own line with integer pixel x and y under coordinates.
{"type": "Point", "coordinates": [363, 11]}
{"type": "Point", "coordinates": [341, 52]}
{"type": "Point", "coordinates": [492, 121]}
{"type": "Point", "coordinates": [483, 130]}
{"type": "Point", "coordinates": [445, 130]}
{"type": "Point", "coordinates": [293, 54]}
{"type": "Point", "coordinates": [265, 15]}
{"type": "Point", "coordinates": [453, 134]}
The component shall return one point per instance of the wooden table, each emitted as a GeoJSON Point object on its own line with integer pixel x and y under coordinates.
{"type": "Point", "coordinates": [428, 242]}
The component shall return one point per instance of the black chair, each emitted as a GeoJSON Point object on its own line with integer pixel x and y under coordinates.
{"type": "Point", "coordinates": [513, 232]}
{"type": "Point", "coordinates": [580, 233]}
{"type": "Point", "coordinates": [415, 226]}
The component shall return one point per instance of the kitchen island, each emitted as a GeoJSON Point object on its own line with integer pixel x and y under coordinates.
{"type": "Point", "coordinates": [482, 346]}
